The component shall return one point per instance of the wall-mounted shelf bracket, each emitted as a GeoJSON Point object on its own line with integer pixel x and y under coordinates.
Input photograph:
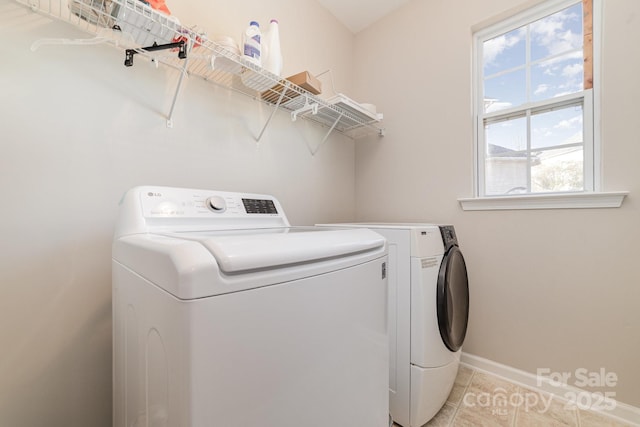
{"type": "Point", "coordinates": [175, 96]}
{"type": "Point", "coordinates": [313, 153]}
{"type": "Point", "coordinates": [181, 45]}
{"type": "Point", "coordinates": [275, 108]}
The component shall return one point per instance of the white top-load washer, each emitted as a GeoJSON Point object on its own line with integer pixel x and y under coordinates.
{"type": "Point", "coordinates": [225, 316]}
{"type": "Point", "coordinates": [428, 312]}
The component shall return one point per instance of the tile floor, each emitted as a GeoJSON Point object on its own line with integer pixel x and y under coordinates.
{"type": "Point", "coordinates": [482, 400]}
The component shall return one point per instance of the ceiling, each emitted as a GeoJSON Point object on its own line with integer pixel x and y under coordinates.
{"type": "Point", "coordinates": [359, 14]}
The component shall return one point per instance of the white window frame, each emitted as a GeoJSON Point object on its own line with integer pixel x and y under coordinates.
{"type": "Point", "coordinates": [592, 195]}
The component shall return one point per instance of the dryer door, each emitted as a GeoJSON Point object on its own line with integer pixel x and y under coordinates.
{"type": "Point", "coordinates": [453, 299]}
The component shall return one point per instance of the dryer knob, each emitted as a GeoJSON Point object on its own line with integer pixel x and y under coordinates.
{"type": "Point", "coordinates": [216, 204]}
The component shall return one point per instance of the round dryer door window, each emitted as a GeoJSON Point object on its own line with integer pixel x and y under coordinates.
{"type": "Point", "coordinates": [453, 299]}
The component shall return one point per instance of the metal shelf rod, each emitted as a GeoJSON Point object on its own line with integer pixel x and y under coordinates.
{"type": "Point", "coordinates": [175, 96]}
{"type": "Point", "coordinates": [313, 153]}
{"type": "Point", "coordinates": [284, 90]}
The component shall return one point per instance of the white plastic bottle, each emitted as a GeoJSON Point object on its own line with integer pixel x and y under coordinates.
{"type": "Point", "coordinates": [251, 43]}
{"type": "Point", "coordinates": [272, 62]}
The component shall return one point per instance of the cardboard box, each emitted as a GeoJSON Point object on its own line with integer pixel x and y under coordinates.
{"type": "Point", "coordinates": [304, 79]}
{"type": "Point", "coordinates": [307, 82]}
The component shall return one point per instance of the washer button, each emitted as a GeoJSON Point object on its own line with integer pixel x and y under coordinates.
{"type": "Point", "coordinates": [216, 204]}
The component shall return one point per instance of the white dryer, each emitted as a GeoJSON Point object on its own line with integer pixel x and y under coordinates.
{"type": "Point", "coordinates": [428, 312]}
{"type": "Point", "coordinates": [224, 315]}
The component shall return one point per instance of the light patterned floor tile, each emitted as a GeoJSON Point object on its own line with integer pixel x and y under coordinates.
{"type": "Point", "coordinates": [443, 418]}
{"type": "Point", "coordinates": [486, 402]}
{"type": "Point", "coordinates": [478, 399]}
{"type": "Point", "coordinates": [535, 405]}
{"type": "Point", "coordinates": [459, 386]}
{"type": "Point", "coordinates": [593, 419]}
{"type": "Point", "coordinates": [482, 417]}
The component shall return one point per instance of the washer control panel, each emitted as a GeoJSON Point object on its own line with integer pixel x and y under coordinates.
{"type": "Point", "coordinates": [151, 208]}
{"type": "Point", "coordinates": [167, 202]}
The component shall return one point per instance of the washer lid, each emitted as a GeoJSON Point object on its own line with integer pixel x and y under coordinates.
{"type": "Point", "coordinates": [192, 265]}
{"type": "Point", "coordinates": [244, 250]}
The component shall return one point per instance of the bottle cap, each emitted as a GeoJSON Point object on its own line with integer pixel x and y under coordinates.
{"type": "Point", "coordinates": [254, 23]}
{"type": "Point", "coordinates": [274, 20]}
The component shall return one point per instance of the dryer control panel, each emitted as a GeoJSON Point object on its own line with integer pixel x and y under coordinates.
{"type": "Point", "coordinates": [448, 236]}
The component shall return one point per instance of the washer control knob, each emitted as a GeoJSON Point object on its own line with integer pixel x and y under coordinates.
{"type": "Point", "coordinates": [216, 204]}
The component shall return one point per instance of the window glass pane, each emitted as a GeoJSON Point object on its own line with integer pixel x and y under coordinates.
{"type": "Point", "coordinates": [504, 52]}
{"type": "Point", "coordinates": [558, 170]}
{"type": "Point", "coordinates": [555, 128]}
{"type": "Point", "coordinates": [504, 91]}
{"type": "Point", "coordinates": [560, 76]}
{"type": "Point", "coordinates": [533, 140]}
{"type": "Point", "coordinates": [506, 161]}
{"type": "Point", "coordinates": [557, 33]}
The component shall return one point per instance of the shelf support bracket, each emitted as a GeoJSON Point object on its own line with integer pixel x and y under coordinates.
{"type": "Point", "coordinates": [313, 153]}
{"type": "Point", "coordinates": [284, 90]}
{"type": "Point", "coordinates": [181, 45]}
{"type": "Point", "coordinates": [183, 72]}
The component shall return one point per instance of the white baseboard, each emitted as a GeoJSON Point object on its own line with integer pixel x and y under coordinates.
{"type": "Point", "coordinates": [621, 411]}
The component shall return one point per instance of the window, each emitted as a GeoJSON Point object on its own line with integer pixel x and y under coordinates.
{"type": "Point", "coordinates": [534, 102]}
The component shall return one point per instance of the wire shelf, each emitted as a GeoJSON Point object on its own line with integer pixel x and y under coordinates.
{"type": "Point", "coordinates": [132, 24]}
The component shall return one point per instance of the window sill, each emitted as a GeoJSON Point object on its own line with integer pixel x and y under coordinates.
{"type": "Point", "coordinates": [545, 201]}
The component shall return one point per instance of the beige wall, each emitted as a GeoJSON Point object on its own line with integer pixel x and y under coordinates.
{"type": "Point", "coordinates": [554, 289]}
{"type": "Point", "coordinates": [78, 129]}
